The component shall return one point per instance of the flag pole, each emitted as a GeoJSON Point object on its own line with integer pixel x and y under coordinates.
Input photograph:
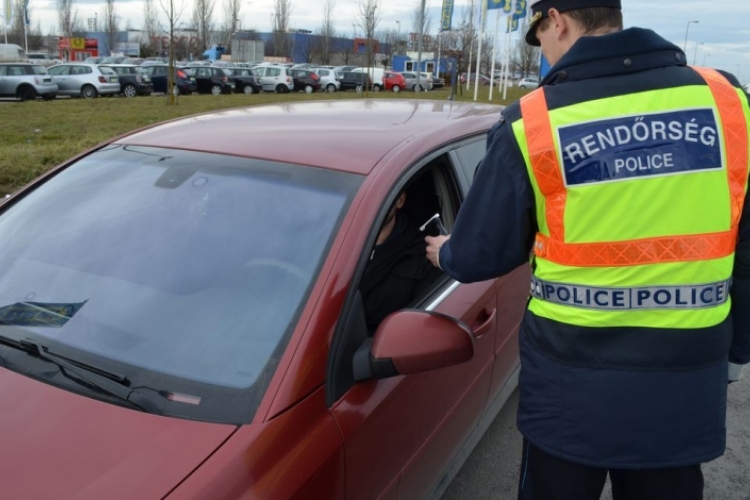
{"type": "Point", "coordinates": [494, 52]}
{"type": "Point", "coordinates": [482, 18]}
{"type": "Point", "coordinates": [471, 47]}
{"type": "Point", "coordinates": [507, 58]}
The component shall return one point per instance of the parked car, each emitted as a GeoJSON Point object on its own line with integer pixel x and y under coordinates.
{"type": "Point", "coordinates": [528, 83]}
{"type": "Point", "coordinates": [357, 81]}
{"type": "Point", "coordinates": [425, 81]}
{"type": "Point", "coordinates": [212, 80]}
{"type": "Point", "coordinates": [483, 79]}
{"type": "Point", "coordinates": [133, 80]}
{"type": "Point", "coordinates": [10, 52]}
{"type": "Point", "coordinates": [85, 80]}
{"type": "Point", "coordinates": [43, 58]}
{"type": "Point", "coordinates": [328, 80]}
{"type": "Point", "coordinates": [342, 69]}
{"type": "Point", "coordinates": [245, 80]}
{"type": "Point", "coordinates": [159, 319]}
{"type": "Point", "coordinates": [136, 61]}
{"type": "Point", "coordinates": [377, 75]}
{"type": "Point", "coordinates": [438, 82]}
{"type": "Point", "coordinates": [113, 60]}
{"type": "Point", "coordinates": [394, 81]}
{"type": "Point", "coordinates": [274, 78]}
{"type": "Point", "coordinates": [26, 82]}
{"type": "Point", "coordinates": [305, 80]}
{"type": "Point", "coordinates": [94, 60]}
{"type": "Point", "coordinates": [159, 73]}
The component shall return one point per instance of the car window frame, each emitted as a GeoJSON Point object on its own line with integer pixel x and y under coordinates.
{"type": "Point", "coordinates": [339, 347]}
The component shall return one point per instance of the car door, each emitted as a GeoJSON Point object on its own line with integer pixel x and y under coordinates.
{"type": "Point", "coordinates": [466, 157]}
{"type": "Point", "coordinates": [61, 76]}
{"type": "Point", "coordinates": [401, 433]}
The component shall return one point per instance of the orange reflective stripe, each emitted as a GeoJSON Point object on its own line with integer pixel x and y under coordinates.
{"type": "Point", "coordinates": [548, 174]}
{"type": "Point", "coordinates": [734, 128]}
{"type": "Point", "coordinates": [637, 252]}
{"type": "Point", "coordinates": [544, 162]}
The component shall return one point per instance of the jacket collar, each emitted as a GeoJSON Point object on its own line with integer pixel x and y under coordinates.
{"type": "Point", "coordinates": [627, 51]}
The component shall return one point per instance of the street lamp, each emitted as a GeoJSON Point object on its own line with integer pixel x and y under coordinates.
{"type": "Point", "coordinates": [707, 54]}
{"type": "Point", "coordinates": [398, 36]}
{"type": "Point", "coordinates": [686, 33]}
{"type": "Point", "coordinates": [695, 52]}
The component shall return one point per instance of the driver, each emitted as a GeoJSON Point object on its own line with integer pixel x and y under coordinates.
{"type": "Point", "coordinates": [398, 270]}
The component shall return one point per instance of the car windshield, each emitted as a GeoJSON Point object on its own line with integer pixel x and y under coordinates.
{"type": "Point", "coordinates": [185, 271]}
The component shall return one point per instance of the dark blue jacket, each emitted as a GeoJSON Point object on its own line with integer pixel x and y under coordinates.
{"type": "Point", "coordinates": [618, 397]}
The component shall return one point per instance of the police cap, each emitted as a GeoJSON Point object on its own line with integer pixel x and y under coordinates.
{"type": "Point", "coordinates": [540, 9]}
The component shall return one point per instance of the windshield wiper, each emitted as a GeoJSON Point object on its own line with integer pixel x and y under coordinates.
{"type": "Point", "coordinates": [90, 376]}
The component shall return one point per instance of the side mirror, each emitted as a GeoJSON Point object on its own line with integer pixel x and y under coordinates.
{"type": "Point", "coordinates": [413, 341]}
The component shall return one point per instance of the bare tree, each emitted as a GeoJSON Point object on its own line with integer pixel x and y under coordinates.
{"type": "Point", "coordinates": [110, 24]}
{"type": "Point", "coordinates": [327, 33]}
{"type": "Point", "coordinates": [281, 15]}
{"type": "Point", "coordinates": [390, 40]}
{"type": "Point", "coordinates": [203, 12]}
{"type": "Point", "coordinates": [67, 17]}
{"type": "Point", "coordinates": [368, 18]}
{"type": "Point", "coordinates": [424, 24]}
{"type": "Point", "coordinates": [459, 42]}
{"type": "Point", "coordinates": [173, 13]}
{"type": "Point", "coordinates": [151, 26]}
{"type": "Point", "coordinates": [232, 21]}
{"type": "Point", "coordinates": [526, 58]}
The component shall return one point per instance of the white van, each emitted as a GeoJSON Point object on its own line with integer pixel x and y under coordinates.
{"type": "Point", "coordinates": [10, 52]}
{"type": "Point", "coordinates": [377, 76]}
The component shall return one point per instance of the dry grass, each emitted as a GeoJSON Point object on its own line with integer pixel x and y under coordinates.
{"type": "Point", "coordinates": [36, 136]}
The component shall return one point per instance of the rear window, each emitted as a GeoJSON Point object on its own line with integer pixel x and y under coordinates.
{"type": "Point", "coordinates": [39, 70]}
{"type": "Point", "coordinates": [106, 70]}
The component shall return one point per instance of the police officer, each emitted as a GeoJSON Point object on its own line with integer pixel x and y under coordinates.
{"type": "Point", "coordinates": [624, 175]}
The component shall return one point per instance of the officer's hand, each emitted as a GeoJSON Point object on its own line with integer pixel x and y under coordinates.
{"type": "Point", "coordinates": [735, 372]}
{"type": "Point", "coordinates": [433, 248]}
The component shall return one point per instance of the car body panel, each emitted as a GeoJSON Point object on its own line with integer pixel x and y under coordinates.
{"type": "Point", "coordinates": [298, 455]}
{"type": "Point", "coordinates": [72, 77]}
{"type": "Point", "coordinates": [360, 144]}
{"type": "Point", "coordinates": [14, 75]}
{"type": "Point", "coordinates": [92, 450]}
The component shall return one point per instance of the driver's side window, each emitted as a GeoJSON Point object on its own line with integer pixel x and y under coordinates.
{"type": "Point", "coordinates": [397, 274]}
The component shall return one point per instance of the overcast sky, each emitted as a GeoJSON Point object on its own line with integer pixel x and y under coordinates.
{"type": "Point", "coordinates": [720, 37]}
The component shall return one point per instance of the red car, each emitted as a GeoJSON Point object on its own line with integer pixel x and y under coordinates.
{"type": "Point", "coordinates": [394, 81]}
{"type": "Point", "coordinates": [180, 315]}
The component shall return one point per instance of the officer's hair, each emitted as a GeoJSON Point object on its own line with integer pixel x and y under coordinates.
{"type": "Point", "coordinates": [592, 19]}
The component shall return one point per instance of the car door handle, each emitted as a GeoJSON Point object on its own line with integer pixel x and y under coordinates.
{"type": "Point", "coordinates": [483, 322]}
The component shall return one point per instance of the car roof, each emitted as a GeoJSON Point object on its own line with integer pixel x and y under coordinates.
{"type": "Point", "coordinates": [361, 131]}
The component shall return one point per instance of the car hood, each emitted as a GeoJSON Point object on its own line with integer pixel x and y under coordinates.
{"type": "Point", "coordinates": [57, 444]}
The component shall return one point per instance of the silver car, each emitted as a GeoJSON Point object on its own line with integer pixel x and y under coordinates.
{"type": "Point", "coordinates": [274, 78]}
{"type": "Point", "coordinates": [425, 81]}
{"type": "Point", "coordinates": [85, 80]}
{"type": "Point", "coordinates": [26, 81]}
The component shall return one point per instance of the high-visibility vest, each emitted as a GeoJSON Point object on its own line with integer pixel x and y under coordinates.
{"type": "Point", "coordinates": [638, 202]}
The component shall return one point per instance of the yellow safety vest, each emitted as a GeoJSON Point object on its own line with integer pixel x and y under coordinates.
{"type": "Point", "coordinates": [638, 203]}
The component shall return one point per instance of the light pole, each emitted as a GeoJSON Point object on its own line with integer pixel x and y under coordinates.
{"type": "Point", "coordinates": [5, 28]}
{"type": "Point", "coordinates": [398, 36]}
{"type": "Point", "coordinates": [686, 33]}
{"type": "Point", "coordinates": [707, 54]}
{"type": "Point", "coordinates": [695, 52]}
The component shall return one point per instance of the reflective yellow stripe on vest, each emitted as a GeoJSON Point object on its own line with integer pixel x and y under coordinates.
{"type": "Point", "coordinates": [663, 271]}
{"type": "Point", "coordinates": [547, 171]}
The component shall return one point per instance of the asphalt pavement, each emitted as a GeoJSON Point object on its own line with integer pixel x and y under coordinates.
{"type": "Point", "coordinates": [491, 472]}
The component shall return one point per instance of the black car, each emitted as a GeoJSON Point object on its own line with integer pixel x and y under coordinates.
{"type": "Point", "coordinates": [133, 80]}
{"type": "Point", "coordinates": [305, 80]}
{"type": "Point", "coordinates": [357, 81]}
{"type": "Point", "coordinates": [184, 83]}
{"type": "Point", "coordinates": [212, 80]}
{"type": "Point", "coordinates": [245, 80]}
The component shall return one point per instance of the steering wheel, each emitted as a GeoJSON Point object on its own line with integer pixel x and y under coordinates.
{"type": "Point", "coordinates": [292, 269]}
